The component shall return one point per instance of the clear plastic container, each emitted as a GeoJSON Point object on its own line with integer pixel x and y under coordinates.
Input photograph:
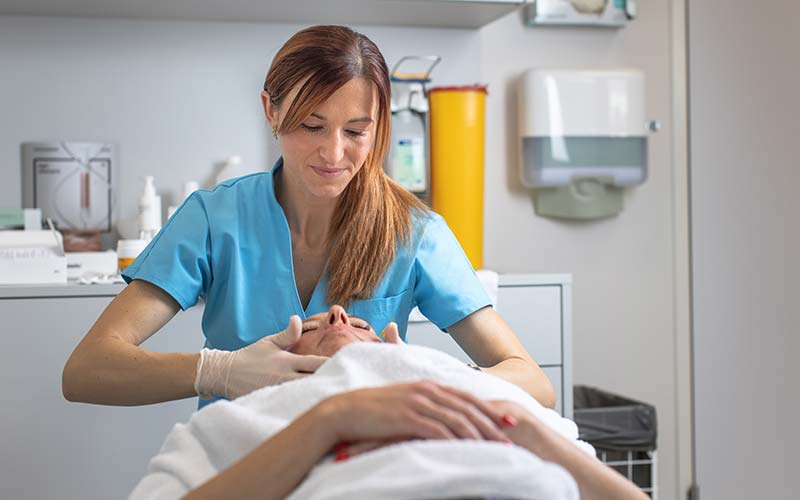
{"type": "Point", "coordinates": [127, 251]}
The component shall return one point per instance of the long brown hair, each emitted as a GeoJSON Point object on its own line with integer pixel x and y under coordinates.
{"type": "Point", "coordinates": [373, 209]}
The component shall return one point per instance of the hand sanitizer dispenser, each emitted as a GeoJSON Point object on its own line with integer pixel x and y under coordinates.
{"type": "Point", "coordinates": [583, 138]}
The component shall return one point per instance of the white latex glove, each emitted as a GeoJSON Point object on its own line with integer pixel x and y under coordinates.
{"type": "Point", "coordinates": [391, 334]}
{"type": "Point", "coordinates": [231, 374]}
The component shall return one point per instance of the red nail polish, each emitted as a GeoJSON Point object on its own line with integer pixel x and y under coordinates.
{"type": "Point", "coordinates": [509, 420]}
{"type": "Point", "coordinates": [339, 447]}
{"type": "Point", "coordinates": [342, 455]}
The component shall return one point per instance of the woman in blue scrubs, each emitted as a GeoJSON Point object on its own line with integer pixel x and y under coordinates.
{"type": "Point", "coordinates": [324, 226]}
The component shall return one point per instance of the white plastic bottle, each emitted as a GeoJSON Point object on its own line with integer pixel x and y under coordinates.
{"type": "Point", "coordinates": [149, 210]}
{"type": "Point", "coordinates": [407, 158]}
{"type": "Point", "coordinates": [232, 168]}
{"type": "Point", "coordinates": [189, 187]}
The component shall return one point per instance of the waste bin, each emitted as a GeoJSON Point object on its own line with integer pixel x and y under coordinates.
{"type": "Point", "coordinates": [623, 432]}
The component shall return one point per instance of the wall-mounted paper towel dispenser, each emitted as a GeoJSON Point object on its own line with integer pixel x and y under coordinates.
{"type": "Point", "coordinates": [583, 138]}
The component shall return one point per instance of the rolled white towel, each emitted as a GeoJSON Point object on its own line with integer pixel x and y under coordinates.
{"type": "Point", "coordinates": [491, 282]}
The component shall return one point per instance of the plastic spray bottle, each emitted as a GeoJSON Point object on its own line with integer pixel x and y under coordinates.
{"type": "Point", "coordinates": [149, 210]}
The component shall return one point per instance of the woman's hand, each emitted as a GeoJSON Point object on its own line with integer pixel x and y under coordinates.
{"type": "Point", "coordinates": [517, 423]}
{"type": "Point", "coordinates": [231, 374]}
{"type": "Point", "coordinates": [417, 410]}
{"type": "Point", "coordinates": [595, 480]}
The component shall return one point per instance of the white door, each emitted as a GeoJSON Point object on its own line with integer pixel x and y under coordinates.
{"type": "Point", "coordinates": [744, 94]}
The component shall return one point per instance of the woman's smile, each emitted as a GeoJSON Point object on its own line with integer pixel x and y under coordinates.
{"type": "Point", "coordinates": [328, 173]}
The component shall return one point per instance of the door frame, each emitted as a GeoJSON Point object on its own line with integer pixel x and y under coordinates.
{"type": "Point", "coordinates": [681, 237]}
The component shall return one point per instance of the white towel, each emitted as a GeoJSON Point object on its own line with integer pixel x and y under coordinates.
{"type": "Point", "coordinates": [223, 432]}
{"type": "Point", "coordinates": [491, 282]}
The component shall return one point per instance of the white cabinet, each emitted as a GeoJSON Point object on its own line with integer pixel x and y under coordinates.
{"type": "Point", "coordinates": [50, 448]}
{"type": "Point", "coordinates": [539, 310]}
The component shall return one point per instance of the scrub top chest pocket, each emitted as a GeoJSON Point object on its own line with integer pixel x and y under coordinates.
{"type": "Point", "coordinates": [380, 312]}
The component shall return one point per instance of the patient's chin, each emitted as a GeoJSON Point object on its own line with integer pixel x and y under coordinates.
{"type": "Point", "coordinates": [332, 348]}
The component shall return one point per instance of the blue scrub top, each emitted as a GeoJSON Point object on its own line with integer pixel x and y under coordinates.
{"type": "Point", "coordinates": [231, 246]}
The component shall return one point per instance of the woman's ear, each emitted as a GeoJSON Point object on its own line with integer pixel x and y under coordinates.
{"type": "Point", "coordinates": [270, 111]}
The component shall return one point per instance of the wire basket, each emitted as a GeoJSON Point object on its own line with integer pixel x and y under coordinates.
{"type": "Point", "coordinates": [623, 432]}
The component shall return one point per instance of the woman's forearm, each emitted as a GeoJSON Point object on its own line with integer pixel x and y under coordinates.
{"type": "Point", "coordinates": [595, 480]}
{"type": "Point", "coordinates": [108, 367]}
{"type": "Point", "coordinates": [111, 371]}
{"type": "Point", "coordinates": [277, 466]}
{"type": "Point", "coordinates": [528, 376]}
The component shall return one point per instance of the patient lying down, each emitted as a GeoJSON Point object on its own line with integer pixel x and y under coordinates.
{"type": "Point", "coordinates": [379, 420]}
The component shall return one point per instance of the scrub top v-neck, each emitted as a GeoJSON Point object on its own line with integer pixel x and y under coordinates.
{"type": "Point", "coordinates": [231, 247]}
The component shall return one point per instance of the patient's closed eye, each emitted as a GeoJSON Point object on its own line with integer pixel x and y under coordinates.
{"type": "Point", "coordinates": [355, 321]}
{"type": "Point", "coordinates": [360, 323]}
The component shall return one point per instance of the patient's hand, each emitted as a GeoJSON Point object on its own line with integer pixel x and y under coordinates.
{"type": "Point", "coordinates": [528, 431]}
{"type": "Point", "coordinates": [417, 410]}
{"type": "Point", "coordinates": [509, 413]}
{"type": "Point", "coordinates": [517, 421]}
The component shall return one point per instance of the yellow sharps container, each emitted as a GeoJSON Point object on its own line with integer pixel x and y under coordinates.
{"type": "Point", "coordinates": [457, 125]}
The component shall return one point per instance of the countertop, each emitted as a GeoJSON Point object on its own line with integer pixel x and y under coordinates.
{"type": "Point", "coordinates": [59, 290]}
{"type": "Point", "coordinates": [78, 290]}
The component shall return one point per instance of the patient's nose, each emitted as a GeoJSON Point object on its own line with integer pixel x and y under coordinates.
{"type": "Point", "coordinates": [337, 315]}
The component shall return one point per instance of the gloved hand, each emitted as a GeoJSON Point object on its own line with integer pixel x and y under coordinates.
{"type": "Point", "coordinates": [391, 334]}
{"type": "Point", "coordinates": [231, 374]}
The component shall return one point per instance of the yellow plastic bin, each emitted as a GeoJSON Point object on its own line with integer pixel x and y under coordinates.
{"type": "Point", "coordinates": [457, 127]}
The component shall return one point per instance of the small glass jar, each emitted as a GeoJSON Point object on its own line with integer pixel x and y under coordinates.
{"type": "Point", "coordinates": [127, 251]}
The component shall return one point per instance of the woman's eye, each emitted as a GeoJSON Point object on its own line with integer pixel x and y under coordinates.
{"type": "Point", "coordinates": [363, 326]}
{"type": "Point", "coordinates": [314, 129]}
{"type": "Point", "coordinates": [310, 128]}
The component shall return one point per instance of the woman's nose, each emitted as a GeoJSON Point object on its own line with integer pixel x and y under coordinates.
{"type": "Point", "coordinates": [337, 315]}
{"type": "Point", "coordinates": [332, 148]}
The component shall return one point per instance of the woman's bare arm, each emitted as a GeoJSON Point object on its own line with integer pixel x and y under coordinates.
{"type": "Point", "coordinates": [489, 341]}
{"type": "Point", "coordinates": [108, 367]}
{"type": "Point", "coordinates": [596, 481]}
{"type": "Point", "coordinates": [276, 467]}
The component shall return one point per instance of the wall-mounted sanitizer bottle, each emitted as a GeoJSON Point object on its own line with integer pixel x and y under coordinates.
{"type": "Point", "coordinates": [407, 158]}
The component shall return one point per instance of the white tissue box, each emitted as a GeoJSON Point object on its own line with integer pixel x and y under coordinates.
{"type": "Point", "coordinates": [31, 257]}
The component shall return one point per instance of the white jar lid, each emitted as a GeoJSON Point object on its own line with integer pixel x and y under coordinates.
{"type": "Point", "coordinates": [130, 248]}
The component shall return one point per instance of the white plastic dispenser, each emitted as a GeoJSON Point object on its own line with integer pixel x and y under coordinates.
{"type": "Point", "coordinates": [583, 138]}
{"type": "Point", "coordinates": [407, 158]}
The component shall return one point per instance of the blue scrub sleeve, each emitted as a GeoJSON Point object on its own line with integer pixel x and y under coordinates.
{"type": "Point", "coordinates": [447, 289]}
{"type": "Point", "coordinates": [178, 260]}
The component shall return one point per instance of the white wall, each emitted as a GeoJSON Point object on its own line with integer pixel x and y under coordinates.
{"type": "Point", "coordinates": [624, 328]}
{"type": "Point", "coordinates": [176, 97]}
{"type": "Point", "coordinates": [745, 246]}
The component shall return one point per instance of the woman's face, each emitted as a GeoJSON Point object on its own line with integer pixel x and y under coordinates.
{"type": "Point", "coordinates": [331, 144]}
{"type": "Point", "coordinates": [325, 333]}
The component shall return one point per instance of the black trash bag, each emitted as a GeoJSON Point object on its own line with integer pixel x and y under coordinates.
{"type": "Point", "coordinates": [611, 422]}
